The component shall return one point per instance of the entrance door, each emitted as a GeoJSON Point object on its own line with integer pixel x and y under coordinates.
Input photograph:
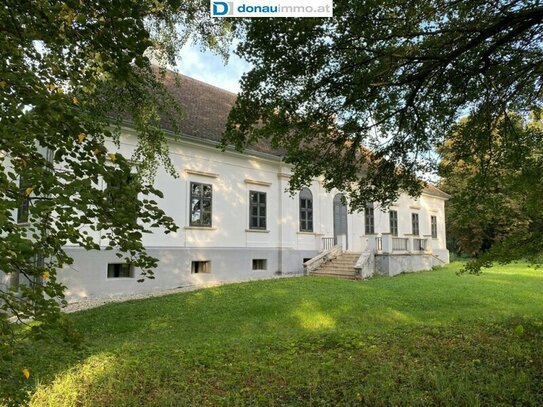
{"type": "Point", "coordinates": [340, 221]}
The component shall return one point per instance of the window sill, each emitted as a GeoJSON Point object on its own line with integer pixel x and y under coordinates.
{"type": "Point", "coordinates": [306, 233]}
{"type": "Point", "coordinates": [199, 228]}
{"type": "Point", "coordinates": [257, 230]}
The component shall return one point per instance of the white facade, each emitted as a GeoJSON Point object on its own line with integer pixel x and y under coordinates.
{"type": "Point", "coordinates": [231, 246]}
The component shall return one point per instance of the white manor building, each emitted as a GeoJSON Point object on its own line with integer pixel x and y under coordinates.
{"type": "Point", "coordinates": [236, 222]}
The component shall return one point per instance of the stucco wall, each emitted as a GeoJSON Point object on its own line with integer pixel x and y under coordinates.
{"type": "Point", "coordinates": [394, 264]}
{"type": "Point", "coordinates": [230, 244]}
{"type": "Point", "coordinates": [87, 277]}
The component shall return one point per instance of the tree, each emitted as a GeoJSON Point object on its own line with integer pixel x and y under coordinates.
{"type": "Point", "coordinates": [366, 97]}
{"type": "Point", "coordinates": [70, 73]}
{"type": "Point", "coordinates": [495, 212]}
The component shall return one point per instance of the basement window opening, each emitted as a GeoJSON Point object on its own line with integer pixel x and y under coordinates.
{"type": "Point", "coordinates": [200, 267]}
{"type": "Point", "coordinates": [120, 270]}
{"type": "Point", "coordinates": [260, 264]}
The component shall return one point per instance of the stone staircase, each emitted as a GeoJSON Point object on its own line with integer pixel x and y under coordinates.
{"type": "Point", "coordinates": [341, 267]}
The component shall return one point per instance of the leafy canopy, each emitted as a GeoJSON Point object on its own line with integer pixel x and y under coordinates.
{"type": "Point", "coordinates": [70, 73]}
{"type": "Point", "coordinates": [365, 97]}
{"type": "Point", "coordinates": [496, 182]}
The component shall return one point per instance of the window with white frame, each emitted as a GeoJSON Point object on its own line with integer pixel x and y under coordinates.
{"type": "Point", "coordinates": [23, 210]}
{"type": "Point", "coordinates": [369, 220]}
{"type": "Point", "coordinates": [257, 210]}
{"type": "Point", "coordinates": [433, 225]}
{"type": "Point", "coordinates": [121, 191]}
{"type": "Point", "coordinates": [415, 224]}
{"type": "Point", "coordinates": [201, 197]}
{"type": "Point", "coordinates": [306, 210]}
{"type": "Point", "coordinates": [393, 221]}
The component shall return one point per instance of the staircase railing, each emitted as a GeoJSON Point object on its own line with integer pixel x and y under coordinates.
{"type": "Point", "coordinates": [328, 243]}
{"type": "Point", "coordinates": [324, 257]}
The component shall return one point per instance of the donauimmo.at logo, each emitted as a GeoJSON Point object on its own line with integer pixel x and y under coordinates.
{"type": "Point", "coordinates": [270, 8]}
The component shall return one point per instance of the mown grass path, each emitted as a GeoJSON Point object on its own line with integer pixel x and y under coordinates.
{"type": "Point", "coordinates": [430, 338]}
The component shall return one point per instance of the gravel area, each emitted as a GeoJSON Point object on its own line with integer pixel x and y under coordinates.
{"type": "Point", "coordinates": [89, 303]}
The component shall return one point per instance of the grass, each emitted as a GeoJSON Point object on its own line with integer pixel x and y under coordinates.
{"type": "Point", "coordinates": [431, 338]}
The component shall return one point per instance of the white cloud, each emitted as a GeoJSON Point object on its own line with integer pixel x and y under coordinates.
{"type": "Point", "coordinates": [210, 68]}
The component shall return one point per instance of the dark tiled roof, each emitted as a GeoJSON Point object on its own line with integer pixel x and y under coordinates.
{"type": "Point", "coordinates": [205, 110]}
{"type": "Point", "coordinates": [433, 190]}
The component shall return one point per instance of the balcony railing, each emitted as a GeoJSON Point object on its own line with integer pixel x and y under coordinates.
{"type": "Point", "coordinates": [419, 245]}
{"type": "Point", "coordinates": [399, 243]}
{"type": "Point", "coordinates": [379, 244]}
{"type": "Point", "coordinates": [327, 243]}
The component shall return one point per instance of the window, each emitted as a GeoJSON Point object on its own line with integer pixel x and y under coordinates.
{"type": "Point", "coordinates": [198, 267]}
{"type": "Point", "coordinates": [120, 270]}
{"type": "Point", "coordinates": [393, 220]}
{"type": "Point", "coordinates": [23, 210]}
{"type": "Point", "coordinates": [369, 220]}
{"type": "Point", "coordinates": [122, 192]}
{"type": "Point", "coordinates": [260, 264]}
{"type": "Point", "coordinates": [433, 225]}
{"type": "Point", "coordinates": [257, 214]}
{"type": "Point", "coordinates": [306, 210]}
{"type": "Point", "coordinates": [415, 223]}
{"type": "Point", "coordinates": [200, 204]}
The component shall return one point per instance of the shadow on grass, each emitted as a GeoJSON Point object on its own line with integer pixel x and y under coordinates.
{"type": "Point", "coordinates": [296, 340]}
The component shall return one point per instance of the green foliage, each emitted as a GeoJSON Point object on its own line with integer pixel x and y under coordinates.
{"type": "Point", "coordinates": [429, 338]}
{"type": "Point", "coordinates": [496, 184]}
{"type": "Point", "coordinates": [363, 98]}
{"type": "Point", "coordinates": [70, 73]}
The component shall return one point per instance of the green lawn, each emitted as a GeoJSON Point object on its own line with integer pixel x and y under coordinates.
{"type": "Point", "coordinates": [431, 338]}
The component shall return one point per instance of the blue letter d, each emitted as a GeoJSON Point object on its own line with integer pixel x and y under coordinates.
{"type": "Point", "coordinates": [220, 8]}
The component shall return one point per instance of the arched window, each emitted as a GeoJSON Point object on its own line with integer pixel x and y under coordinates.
{"type": "Point", "coordinates": [306, 210]}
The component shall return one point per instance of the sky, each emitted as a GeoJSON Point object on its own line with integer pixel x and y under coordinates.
{"type": "Point", "coordinates": [210, 68]}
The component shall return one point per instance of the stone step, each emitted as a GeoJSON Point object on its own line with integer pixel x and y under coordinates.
{"type": "Point", "coordinates": [335, 272]}
{"type": "Point", "coordinates": [345, 259]}
{"type": "Point", "coordinates": [340, 267]}
{"type": "Point", "coordinates": [331, 267]}
{"type": "Point", "coordinates": [341, 263]}
{"type": "Point", "coordinates": [348, 257]}
{"type": "Point", "coordinates": [349, 276]}
{"type": "Point", "coordinates": [349, 266]}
